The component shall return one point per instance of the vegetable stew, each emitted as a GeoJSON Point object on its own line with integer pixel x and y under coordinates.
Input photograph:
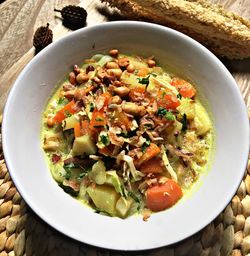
{"type": "Point", "coordinates": [124, 135]}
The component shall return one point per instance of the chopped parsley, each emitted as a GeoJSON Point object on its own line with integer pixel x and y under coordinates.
{"type": "Point", "coordinates": [145, 145]}
{"type": "Point", "coordinates": [144, 80]}
{"type": "Point", "coordinates": [104, 140]}
{"type": "Point", "coordinates": [91, 107]}
{"type": "Point", "coordinates": [67, 113]}
{"type": "Point", "coordinates": [153, 74]}
{"type": "Point", "coordinates": [68, 168]}
{"type": "Point", "coordinates": [61, 101]}
{"type": "Point", "coordinates": [184, 123]}
{"type": "Point", "coordinates": [161, 111]}
{"type": "Point", "coordinates": [165, 113]}
{"type": "Point", "coordinates": [179, 96]}
{"type": "Point", "coordinates": [82, 175]}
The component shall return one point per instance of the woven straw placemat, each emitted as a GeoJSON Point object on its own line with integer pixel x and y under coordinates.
{"type": "Point", "coordinates": [22, 232]}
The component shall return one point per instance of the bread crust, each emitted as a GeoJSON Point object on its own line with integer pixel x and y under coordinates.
{"type": "Point", "coordinates": [224, 33]}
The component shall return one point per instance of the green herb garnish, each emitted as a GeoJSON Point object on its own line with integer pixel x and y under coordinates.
{"type": "Point", "coordinates": [61, 101]}
{"type": "Point", "coordinates": [145, 145]}
{"type": "Point", "coordinates": [82, 175]}
{"type": "Point", "coordinates": [67, 113]}
{"type": "Point", "coordinates": [144, 80]}
{"type": "Point", "coordinates": [91, 107]}
{"type": "Point", "coordinates": [179, 96]}
{"type": "Point", "coordinates": [161, 111]}
{"type": "Point", "coordinates": [104, 140]}
{"type": "Point", "coordinates": [165, 113]}
{"type": "Point", "coordinates": [68, 168]}
{"type": "Point", "coordinates": [184, 123]}
{"type": "Point", "coordinates": [153, 74]}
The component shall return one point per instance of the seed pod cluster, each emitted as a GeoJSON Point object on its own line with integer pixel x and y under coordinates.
{"type": "Point", "coordinates": [74, 17]}
{"type": "Point", "coordinates": [42, 37]}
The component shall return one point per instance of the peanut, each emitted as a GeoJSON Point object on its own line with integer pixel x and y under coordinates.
{"type": "Point", "coordinates": [117, 83]}
{"type": "Point", "coordinates": [133, 109]}
{"type": "Point", "coordinates": [89, 68]}
{"type": "Point", "coordinates": [113, 52]}
{"type": "Point", "coordinates": [101, 73]}
{"type": "Point", "coordinates": [76, 69]}
{"type": "Point", "coordinates": [123, 62]}
{"type": "Point", "coordinates": [82, 78]}
{"type": "Point", "coordinates": [130, 68]}
{"type": "Point", "coordinates": [151, 63]}
{"type": "Point", "coordinates": [96, 80]}
{"type": "Point", "coordinates": [116, 100]}
{"type": "Point", "coordinates": [72, 78]}
{"type": "Point", "coordinates": [122, 91]}
{"type": "Point", "coordinates": [115, 72]}
{"type": "Point", "coordinates": [50, 122]}
{"type": "Point", "coordinates": [112, 65]}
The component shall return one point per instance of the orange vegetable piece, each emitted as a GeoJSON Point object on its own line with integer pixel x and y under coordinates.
{"type": "Point", "coordinates": [184, 87]}
{"type": "Point", "coordinates": [107, 151]}
{"type": "Point", "coordinates": [143, 71]}
{"type": "Point", "coordinates": [152, 166]}
{"type": "Point", "coordinates": [63, 113]}
{"type": "Point", "coordinates": [168, 100]}
{"type": "Point", "coordinates": [121, 119]}
{"type": "Point", "coordinates": [98, 119]}
{"type": "Point", "coordinates": [137, 92]}
{"type": "Point", "coordinates": [81, 129]}
{"type": "Point", "coordinates": [104, 99]}
{"type": "Point", "coordinates": [162, 196]}
{"type": "Point", "coordinates": [151, 151]}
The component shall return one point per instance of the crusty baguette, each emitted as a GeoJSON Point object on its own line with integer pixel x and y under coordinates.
{"type": "Point", "coordinates": [224, 33]}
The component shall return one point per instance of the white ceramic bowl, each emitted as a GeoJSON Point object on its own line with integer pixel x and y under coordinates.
{"type": "Point", "coordinates": [30, 173]}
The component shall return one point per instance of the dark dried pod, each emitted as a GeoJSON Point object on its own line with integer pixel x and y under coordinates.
{"type": "Point", "coordinates": [42, 37]}
{"type": "Point", "coordinates": [74, 17]}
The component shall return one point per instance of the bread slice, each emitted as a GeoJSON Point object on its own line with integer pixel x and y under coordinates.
{"type": "Point", "coordinates": [224, 33]}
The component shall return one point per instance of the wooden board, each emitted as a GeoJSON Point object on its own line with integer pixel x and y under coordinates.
{"type": "Point", "coordinates": [20, 18]}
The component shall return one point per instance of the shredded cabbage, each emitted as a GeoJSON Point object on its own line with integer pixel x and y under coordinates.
{"type": "Point", "coordinates": [167, 164]}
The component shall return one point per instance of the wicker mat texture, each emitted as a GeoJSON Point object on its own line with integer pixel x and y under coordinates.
{"type": "Point", "coordinates": [24, 233]}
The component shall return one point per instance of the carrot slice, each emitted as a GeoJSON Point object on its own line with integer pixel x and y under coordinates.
{"type": "Point", "coordinates": [120, 119]}
{"type": "Point", "coordinates": [184, 87]}
{"type": "Point", "coordinates": [64, 112]}
{"type": "Point", "coordinates": [81, 129]}
{"type": "Point", "coordinates": [107, 97]}
{"type": "Point", "coordinates": [77, 130]}
{"type": "Point", "coordinates": [151, 166]}
{"type": "Point", "coordinates": [98, 119]}
{"type": "Point", "coordinates": [107, 151]}
{"type": "Point", "coordinates": [167, 100]}
{"type": "Point", "coordinates": [143, 71]}
{"type": "Point", "coordinates": [151, 151]}
{"type": "Point", "coordinates": [162, 196]}
{"type": "Point", "coordinates": [137, 93]}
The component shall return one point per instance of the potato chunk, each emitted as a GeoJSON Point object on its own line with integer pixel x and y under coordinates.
{"type": "Point", "coordinates": [104, 197]}
{"type": "Point", "coordinates": [83, 145]}
{"type": "Point", "coordinates": [123, 206]}
{"type": "Point", "coordinates": [201, 120]}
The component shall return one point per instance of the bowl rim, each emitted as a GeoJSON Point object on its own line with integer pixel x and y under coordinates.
{"type": "Point", "coordinates": [45, 217]}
